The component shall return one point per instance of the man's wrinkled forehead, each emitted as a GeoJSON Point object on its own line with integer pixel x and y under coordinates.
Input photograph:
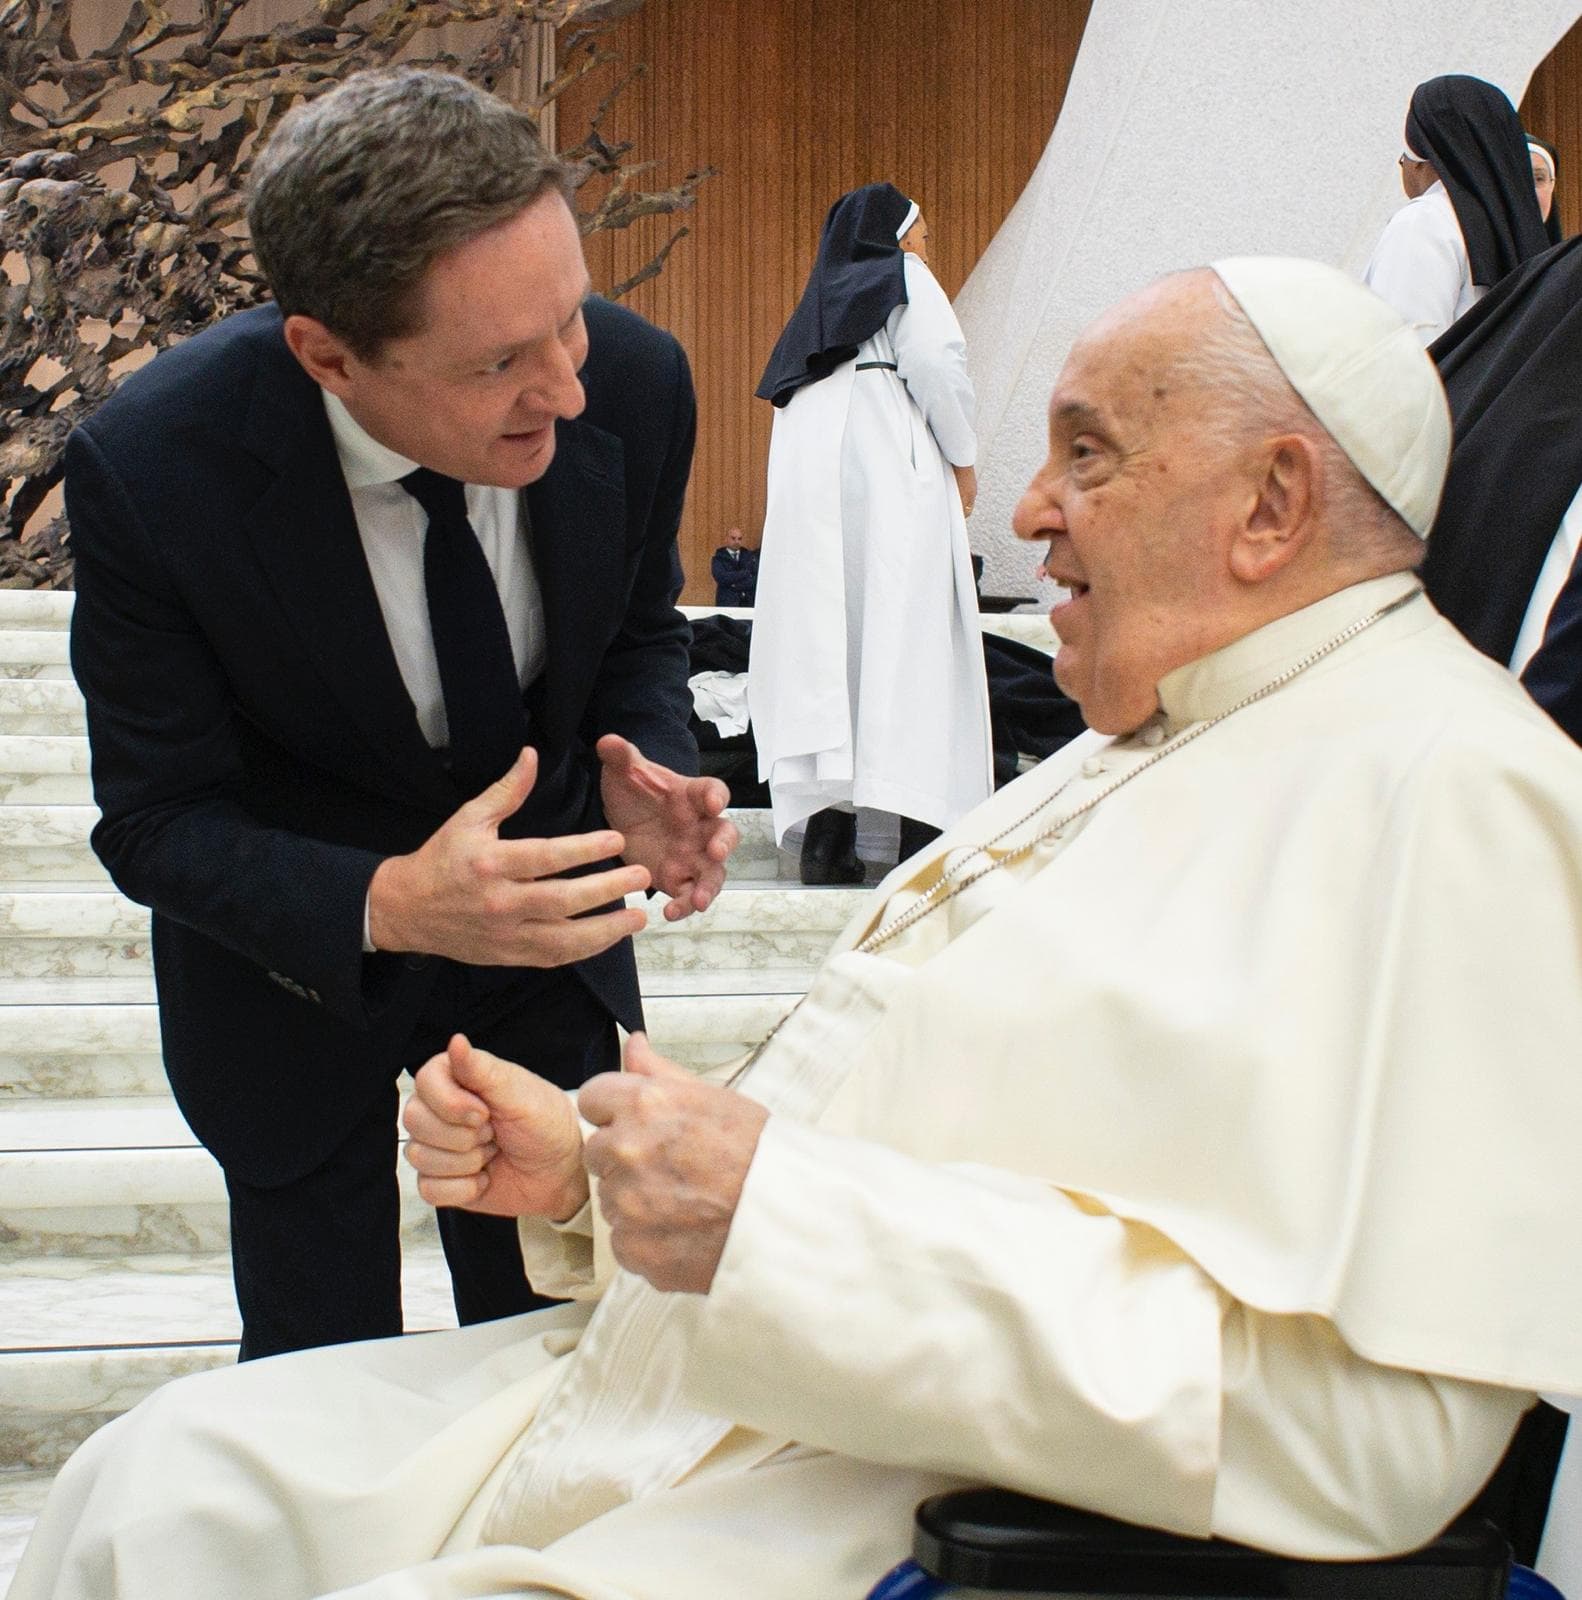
{"type": "Point", "coordinates": [1125, 366]}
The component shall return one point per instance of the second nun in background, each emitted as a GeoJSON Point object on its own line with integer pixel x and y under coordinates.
{"type": "Point", "coordinates": [867, 682]}
{"type": "Point", "coordinates": [1473, 213]}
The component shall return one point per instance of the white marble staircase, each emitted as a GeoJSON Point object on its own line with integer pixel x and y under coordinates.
{"type": "Point", "coordinates": [113, 1270]}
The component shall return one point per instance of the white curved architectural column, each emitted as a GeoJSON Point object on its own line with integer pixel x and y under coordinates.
{"type": "Point", "coordinates": [1201, 128]}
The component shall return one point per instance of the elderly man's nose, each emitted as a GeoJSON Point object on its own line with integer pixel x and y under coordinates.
{"type": "Point", "coordinates": [1036, 514]}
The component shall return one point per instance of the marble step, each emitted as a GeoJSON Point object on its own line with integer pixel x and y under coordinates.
{"type": "Point", "coordinates": [41, 705]}
{"type": "Point", "coordinates": [44, 770]}
{"type": "Point", "coordinates": [119, 1178]}
{"type": "Point", "coordinates": [45, 843]}
{"type": "Point", "coordinates": [101, 934]}
{"type": "Point", "coordinates": [67, 1052]}
{"type": "Point", "coordinates": [48, 609]}
{"type": "Point", "coordinates": [22, 1495]}
{"type": "Point", "coordinates": [87, 1338]}
{"type": "Point", "coordinates": [48, 844]}
{"type": "Point", "coordinates": [63, 1051]}
{"type": "Point", "coordinates": [34, 653]}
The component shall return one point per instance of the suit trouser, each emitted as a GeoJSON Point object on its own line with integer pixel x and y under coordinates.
{"type": "Point", "coordinates": [318, 1260]}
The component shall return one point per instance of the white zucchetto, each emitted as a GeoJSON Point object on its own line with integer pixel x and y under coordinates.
{"type": "Point", "coordinates": [1359, 368]}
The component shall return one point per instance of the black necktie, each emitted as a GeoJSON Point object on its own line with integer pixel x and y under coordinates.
{"type": "Point", "coordinates": [477, 672]}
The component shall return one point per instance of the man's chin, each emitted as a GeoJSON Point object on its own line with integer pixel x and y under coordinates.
{"type": "Point", "coordinates": [1103, 711]}
{"type": "Point", "coordinates": [524, 458]}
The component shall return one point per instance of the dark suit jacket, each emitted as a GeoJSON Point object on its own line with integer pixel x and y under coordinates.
{"type": "Point", "coordinates": [736, 581]}
{"type": "Point", "coordinates": [255, 752]}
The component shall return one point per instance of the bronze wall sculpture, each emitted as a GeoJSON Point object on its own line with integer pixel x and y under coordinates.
{"type": "Point", "coordinates": [123, 164]}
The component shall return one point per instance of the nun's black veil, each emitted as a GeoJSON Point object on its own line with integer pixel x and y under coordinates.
{"type": "Point", "coordinates": [1472, 135]}
{"type": "Point", "coordinates": [856, 282]}
{"type": "Point", "coordinates": [1510, 370]}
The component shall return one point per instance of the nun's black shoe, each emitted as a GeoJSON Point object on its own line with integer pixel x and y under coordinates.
{"type": "Point", "coordinates": [915, 836]}
{"type": "Point", "coordinates": [829, 849]}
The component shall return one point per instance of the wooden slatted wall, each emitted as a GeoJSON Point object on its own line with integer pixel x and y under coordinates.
{"type": "Point", "coordinates": [797, 101]}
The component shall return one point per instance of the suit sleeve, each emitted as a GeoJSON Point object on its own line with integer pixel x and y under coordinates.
{"type": "Point", "coordinates": [642, 690]}
{"type": "Point", "coordinates": [996, 1328]}
{"type": "Point", "coordinates": [174, 833]}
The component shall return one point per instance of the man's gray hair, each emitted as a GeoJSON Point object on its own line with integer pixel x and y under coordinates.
{"type": "Point", "coordinates": [359, 190]}
{"type": "Point", "coordinates": [1253, 398]}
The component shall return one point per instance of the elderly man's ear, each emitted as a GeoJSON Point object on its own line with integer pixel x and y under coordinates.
{"type": "Point", "coordinates": [1281, 514]}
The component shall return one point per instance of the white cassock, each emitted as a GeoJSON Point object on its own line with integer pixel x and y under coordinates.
{"type": "Point", "coordinates": [1209, 1164]}
{"type": "Point", "coordinates": [1420, 266]}
{"type": "Point", "coordinates": [866, 680]}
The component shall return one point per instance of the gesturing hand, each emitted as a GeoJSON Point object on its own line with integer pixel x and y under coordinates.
{"type": "Point", "coordinates": [671, 1155]}
{"type": "Point", "coordinates": [491, 1136]}
{"type": "Point", "coordinates": [672, 825]}
{"type": "Point", "coordinates": [468, 894]}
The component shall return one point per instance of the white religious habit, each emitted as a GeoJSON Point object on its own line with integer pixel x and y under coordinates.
{"type": "Point", "coordinates": [1420, 266]}
{"type": "Point", "coordinates": [1187, 1136]}
{"type": "Point", "coordinates": [866, 681]}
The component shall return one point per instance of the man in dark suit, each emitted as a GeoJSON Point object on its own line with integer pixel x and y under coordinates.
{"type": "Point", "coordinates": [385, 748]}
{"type": "Point", "coordinates": [735, 570]}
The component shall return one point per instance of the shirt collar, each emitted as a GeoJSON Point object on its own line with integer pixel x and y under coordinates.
{"type": "Point", "coordinates": [364, 461]}
{"type": "Point", "coordinates": [1214, 683]}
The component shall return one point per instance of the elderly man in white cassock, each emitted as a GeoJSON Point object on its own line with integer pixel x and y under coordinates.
{"type": "Point", "coordinates": [1186, 1137]}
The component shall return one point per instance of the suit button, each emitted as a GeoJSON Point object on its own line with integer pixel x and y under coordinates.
{"type": "Point", "coordinates": [415, 962]}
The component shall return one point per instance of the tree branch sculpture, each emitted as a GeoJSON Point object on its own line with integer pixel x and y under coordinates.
{"type": "Point", "coordinates": [122, 180]}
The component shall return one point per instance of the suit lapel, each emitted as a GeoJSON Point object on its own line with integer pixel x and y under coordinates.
{"type": "Point", "coordinates": [577, 516]}
{"type": "Point", "coordinates": [305, 536]}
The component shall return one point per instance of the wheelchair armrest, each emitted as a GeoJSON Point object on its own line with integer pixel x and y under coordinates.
{"type": "Point", "coordinates": [994, 1539]}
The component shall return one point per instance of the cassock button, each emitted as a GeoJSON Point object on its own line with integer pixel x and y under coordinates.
{"type": "Point", "coordinates": [1093, 766]}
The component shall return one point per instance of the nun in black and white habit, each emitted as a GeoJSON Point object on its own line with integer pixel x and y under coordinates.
{"type": "Point", "coordinates": [866, 683]}
{"type": "Point", "coordinates": [1472, 216]}
{"type": "Point", "coordinates": [1504, 561]}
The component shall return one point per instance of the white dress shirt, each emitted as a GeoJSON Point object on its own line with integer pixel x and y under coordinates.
{"type": "Point", "coordinates": [392, 524]}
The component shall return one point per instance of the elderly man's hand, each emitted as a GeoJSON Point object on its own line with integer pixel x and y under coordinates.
{"type": "Point", "coordinates": [671, 824]}
{"type": "Point", "coordinates": [491, 1136]}
{"type": "Point", "coordinates": [671, 1155]}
